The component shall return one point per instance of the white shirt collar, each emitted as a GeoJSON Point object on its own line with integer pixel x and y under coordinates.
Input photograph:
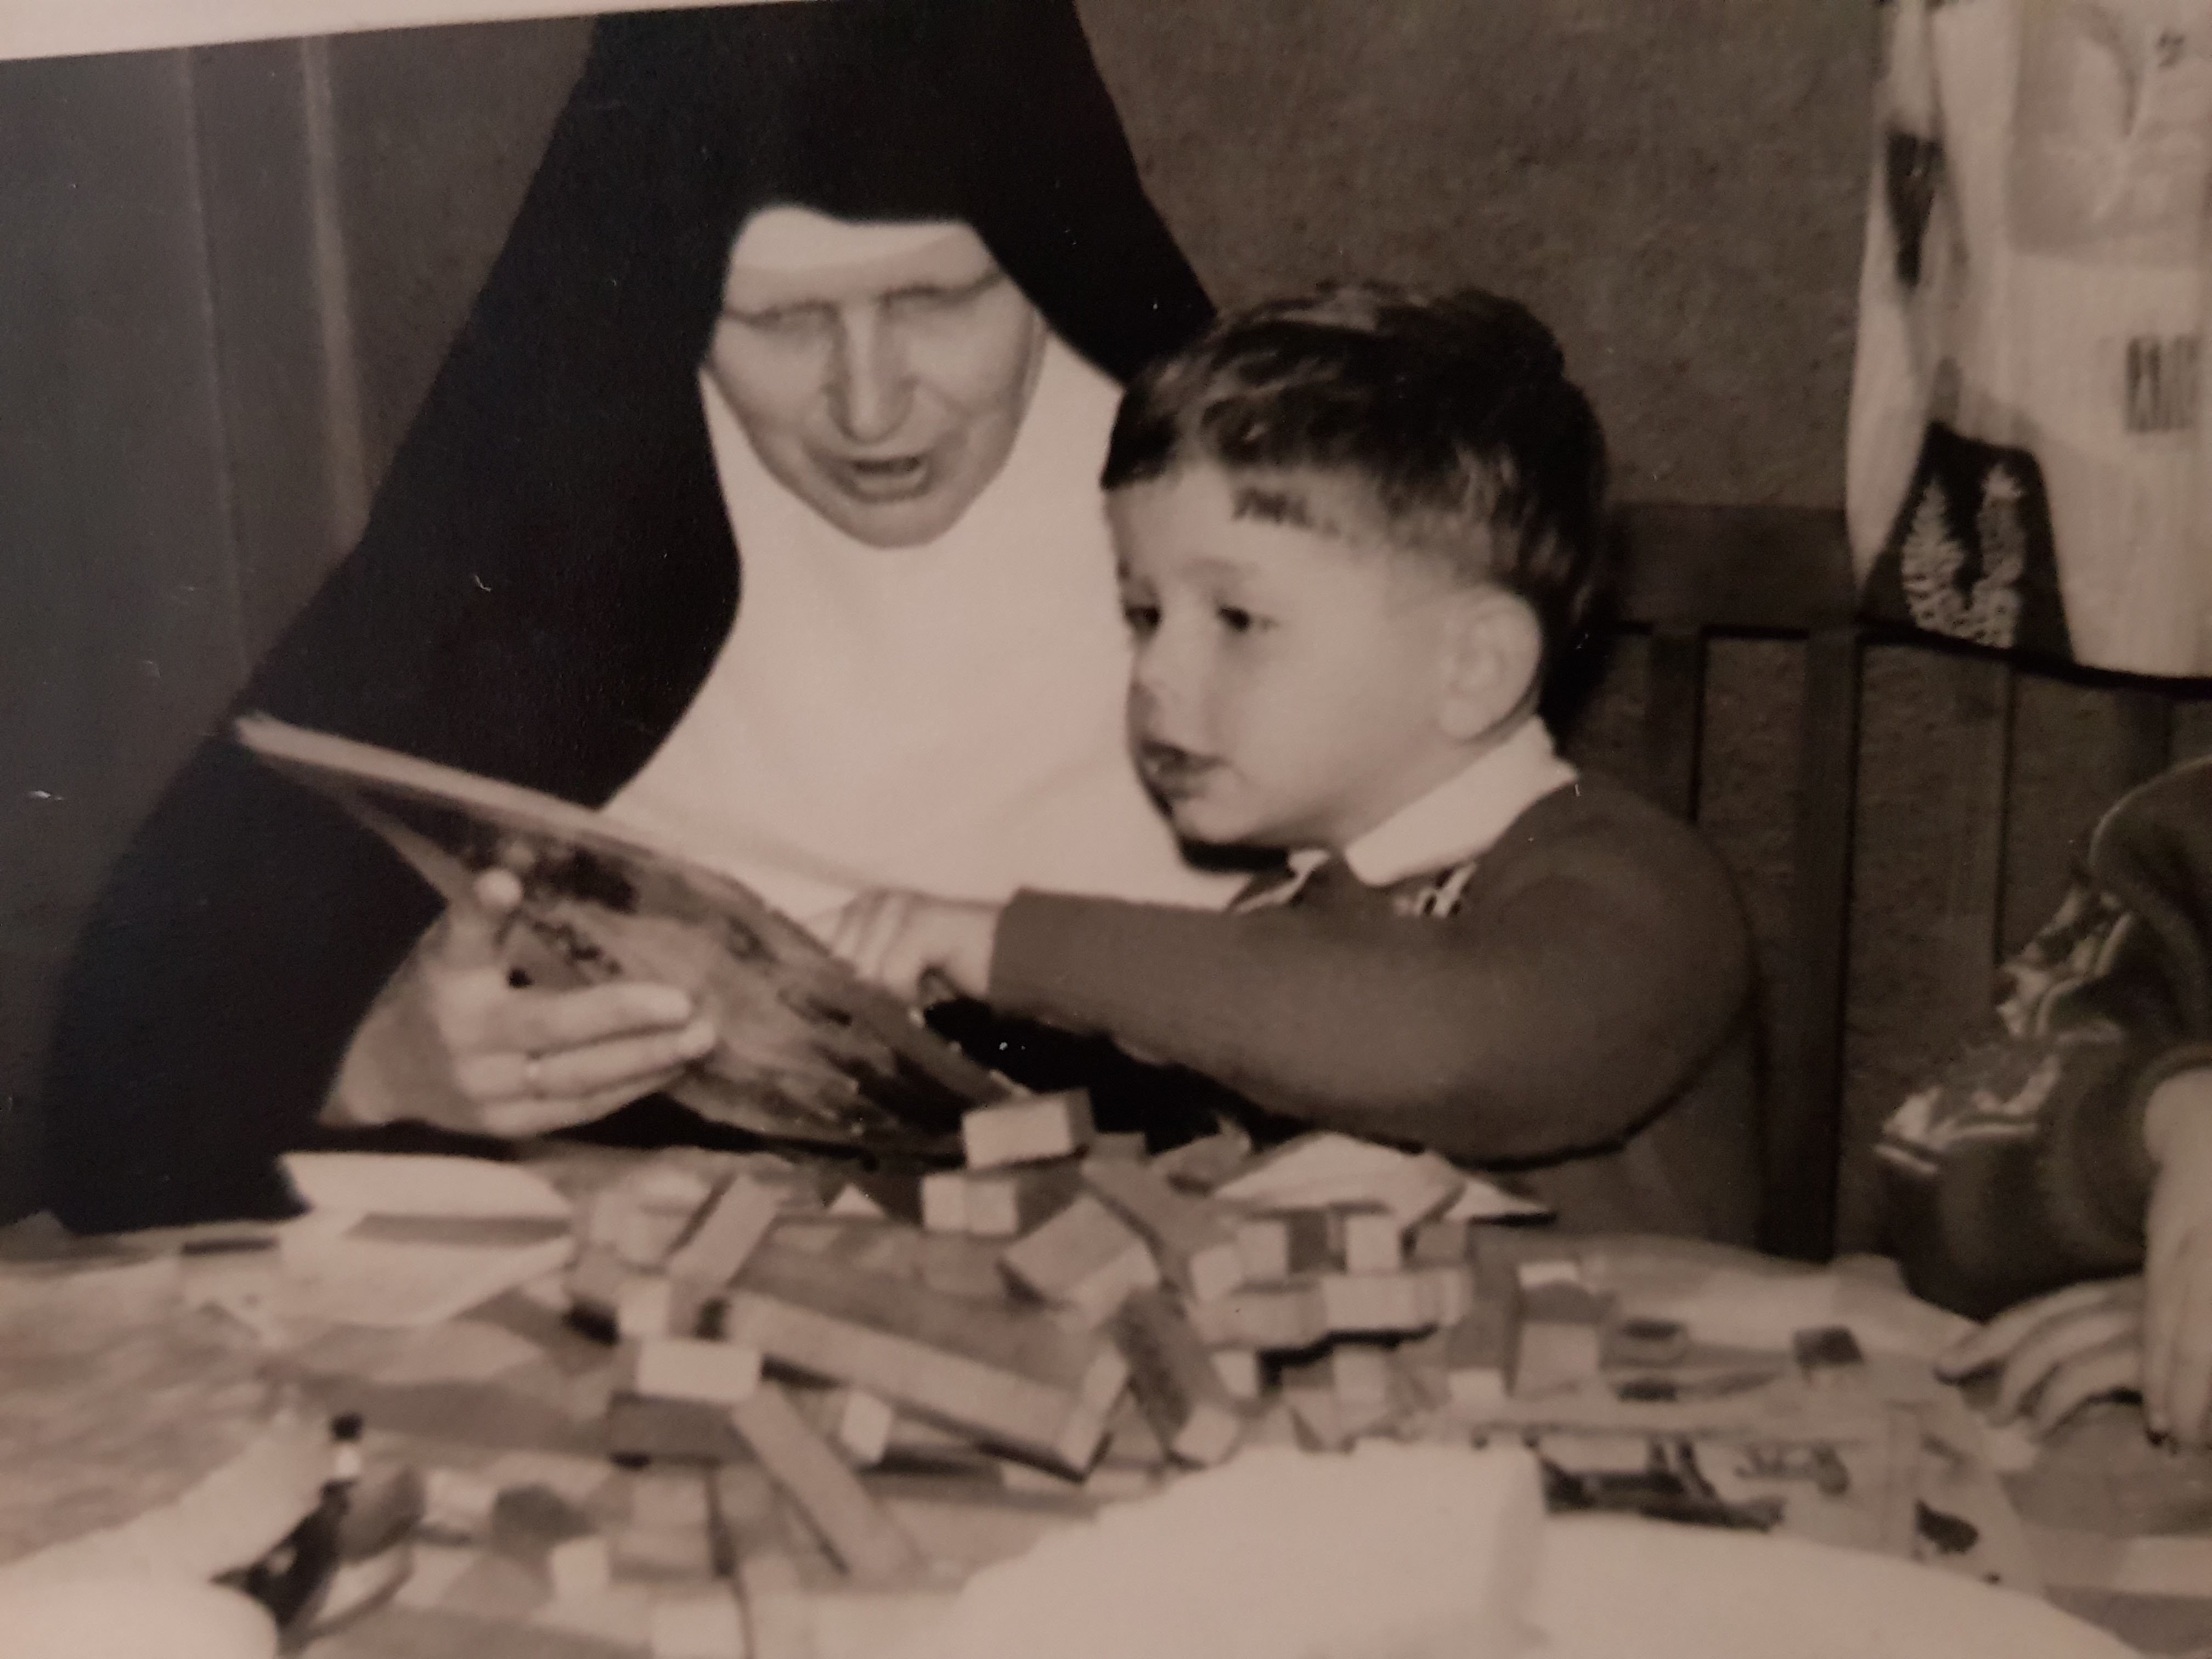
{"type": "Point", "coordinates": [1463, 817]}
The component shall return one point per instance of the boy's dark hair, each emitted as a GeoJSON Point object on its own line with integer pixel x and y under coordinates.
{"type": "Point", "coordinates": [1453, 411]}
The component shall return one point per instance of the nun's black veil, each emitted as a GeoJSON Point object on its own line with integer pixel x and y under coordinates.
{"type": "Point", "coordinates": [547, 571]}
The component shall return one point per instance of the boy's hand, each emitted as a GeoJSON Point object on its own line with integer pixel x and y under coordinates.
{"type": "Point", "coordinates": [2177, 1366]}
{"type": "Point", "coordinates": [903, 942]}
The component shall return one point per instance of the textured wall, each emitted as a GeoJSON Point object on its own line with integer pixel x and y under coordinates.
{"type": "Point", "coordinates": [1674, 184]}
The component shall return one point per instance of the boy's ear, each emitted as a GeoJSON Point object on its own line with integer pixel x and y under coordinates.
{"type": "Point", "coordinates": [1493, 651]}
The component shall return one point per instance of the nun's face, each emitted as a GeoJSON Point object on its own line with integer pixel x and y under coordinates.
{"type": "Point", "coordinates": [885, 392]}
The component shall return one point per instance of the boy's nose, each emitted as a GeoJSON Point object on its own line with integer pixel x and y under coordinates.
{"type": "Point", "coordinates": [1156, 682]}
{"type": "Point", "coordinates": [870, 390]}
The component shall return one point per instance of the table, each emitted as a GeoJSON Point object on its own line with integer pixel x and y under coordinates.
{"type": "Point", "coordinates": [513, 1394]}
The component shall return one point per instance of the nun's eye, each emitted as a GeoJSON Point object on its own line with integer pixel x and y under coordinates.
{"type": "Point", "coordinates": [927, 301]}
{"type": "Point", "coordinates": [787, 322]}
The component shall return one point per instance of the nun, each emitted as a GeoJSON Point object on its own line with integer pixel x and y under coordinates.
{"type": "Point", "coordinates": [756, 503]}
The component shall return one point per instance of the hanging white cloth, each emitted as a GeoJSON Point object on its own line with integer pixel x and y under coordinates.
{"type": "Point", "coordinates": [2026, 459]}
{"type": "Point", "coordinates": [945, 718]}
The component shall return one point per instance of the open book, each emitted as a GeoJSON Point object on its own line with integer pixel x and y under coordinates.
{"type": "Point", "coordinates": [806, 1050]}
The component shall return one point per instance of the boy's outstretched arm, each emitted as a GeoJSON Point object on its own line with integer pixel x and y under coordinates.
{"type": "Point", "coordinates": [1553, 1020]}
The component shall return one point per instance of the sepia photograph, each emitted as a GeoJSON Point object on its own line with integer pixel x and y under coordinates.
{"type": "Point", "coordinates": [980, 829]}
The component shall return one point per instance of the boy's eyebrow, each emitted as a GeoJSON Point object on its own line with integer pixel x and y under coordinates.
{"type": "Point", "coordinates": [1286, 504]}
{"type": "Point", "coordinates": [1272, 505]}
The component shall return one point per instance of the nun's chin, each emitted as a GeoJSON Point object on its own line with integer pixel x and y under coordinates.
{"type": "Point", "coordinates": [896, 521]}
{"type": "Point", "coordinates": [890, 505]}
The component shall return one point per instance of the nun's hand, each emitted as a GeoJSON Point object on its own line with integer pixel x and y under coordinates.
{"type": "Point", "coordinates": [912, 946]}
{"type": "Point", "coordinates": [524, 1060]}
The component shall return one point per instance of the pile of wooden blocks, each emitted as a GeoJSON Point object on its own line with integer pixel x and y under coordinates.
{"type": "Point", "coordinates": [1062, 1314]}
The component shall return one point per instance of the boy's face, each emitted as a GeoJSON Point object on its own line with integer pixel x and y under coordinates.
{"type": "Point", "coordinates": [1288, 664]}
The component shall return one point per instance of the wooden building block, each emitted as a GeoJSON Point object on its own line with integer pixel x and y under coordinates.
{"type": "Point", "coordinates": [678, 1431]}
{"type": "Point", "coordinates": [944, 1200]}
{"type": "Point", "coordinates": [653, 1306]}
{"type": "Point", "coordinates": [1538, 1266]}
{"type": "Point", "coordinates": [704, 1624]}
{"type": "Point", "coordinates": [1009, 1375]}
{"type": "Point", "coordinates": [1360, 1374]}
{"type": "Point", "coordinates": [579, 1567]}
{"type": "Point", "coordinates": [679, 1368]}
{"type": "Point", "coordinates": [1374, 1304]}
{"type": "Point", "coordinates": [1264, 1242]}
{"type": "Point", "coordinates": [1482, 1351]}
{"type": "Point", "coordinates": [1326, 1168]}
{"type": "Point", "coordinates": [1309, 1391]}
{"type": "Point", "coordinates": [958, 1265]}
{"type": "Point", "coordinates": [662, 1555]}
{"type": "Point", "coordinates": [1174, 1380]}
{"type": "Point", "coordinates": [669, 1500]}
{"type": "Point", "coordinates": [1201, 1165]}
{"type": "Point", "coordinates": [647, 1235]}
{"type": "Point", "coordinates": [530, 1522]}
{"type": "Point", "coordinates": [1191, 1239]}
{"type": "Point", "coordinates": [1271, 1318]}
{"type": "Point", "coordinates": [864, 1424]}
{"type": "Point", "coordinates": [818, 1233]}
{"type": "Point", "coordinates": [1422, 1364]}
{"type": "Point", "coordinates": [574, 1478]}
{"type": "Point", "coordinates": [457, 1503]}
{"type": "Point", "coordinates": [1084, 1258]}
{"type": "Point", "coordinates": [669, 1187]}
{"type": "Point", "coordinates": [852, 1202]}
{"type": "Point", "coordinates": [1027, 1131]}
{"type": "Point", "coordinates": [618, 1616]}
{"type": "Point", "coordinates": [595, 1281]}
{"type": "Point", "coordinates": [1447, 1292]}
{"type": "Point", "coordinates": [1562, 1335]}
{"type": "Point", "coordinates": [868, 1543]}
{"type": "Point", "coordinates": [1272, 1425]}
{"type": "Point", "coordinates": [1131, 1438]}
{"type": "Point", "coordinates": [732, 1227]}
{"type": "Point", "coordinates": [1007, 1203]}
{"type": "Point", "coordinates": [882, 1247]}
{"type": "Point", "coordinates": [1239, 1371]}
{"type": "Point", "coordinates": [1442, 1243]}
{"type": "Point", "coordinates": [1372, 1241]}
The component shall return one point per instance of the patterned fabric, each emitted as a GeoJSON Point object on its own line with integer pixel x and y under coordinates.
{"type": "Point", "coordinates": [2020, 1166]}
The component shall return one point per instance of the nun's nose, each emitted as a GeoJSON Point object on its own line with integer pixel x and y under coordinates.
{"type": "Point", "coordinates": [871, 387]}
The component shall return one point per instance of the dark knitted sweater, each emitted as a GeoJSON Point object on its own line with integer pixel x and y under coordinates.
{"type": "Point", "coordinates": [1578, 1011]}
{"type": "Point", "coordinates": [2021, 1167]}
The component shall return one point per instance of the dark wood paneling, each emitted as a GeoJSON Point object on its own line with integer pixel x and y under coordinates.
{"type": "Point", "coordinates": [1804, 1129]}
{"type": "Point", "coordinates": [1674, 717]}
{"type": "Point", "coordinates": [282, 324]}
{"type": "Point", "coordinates": [1983, 700]}
{"type": "Point", "coordinates": [120, 634]}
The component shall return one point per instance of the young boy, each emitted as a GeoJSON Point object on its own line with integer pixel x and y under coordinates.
{"type": "Point", "coordinates": [2072, 1146]}
{"type": "Point", "coordinates": [1356, 532]}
